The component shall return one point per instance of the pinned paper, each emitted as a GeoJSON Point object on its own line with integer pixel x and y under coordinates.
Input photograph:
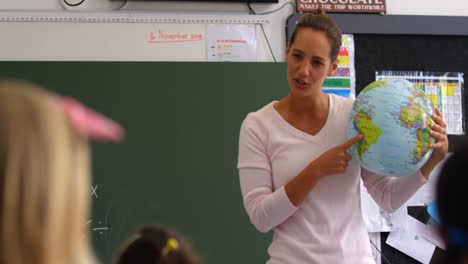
{"type": "Point", "coordinates": [411, 242]}
{"type": "Point", "coordinates": [231, 43]}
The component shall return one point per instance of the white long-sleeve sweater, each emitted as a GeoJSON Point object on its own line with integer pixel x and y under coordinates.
{"type": "Point", "coordinates": [328, 226]}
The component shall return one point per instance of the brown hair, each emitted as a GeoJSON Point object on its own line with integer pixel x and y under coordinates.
{"type": "Point", "coordinates": [319, 21]}
{"type": "Point", "coordinates": [149, 245]}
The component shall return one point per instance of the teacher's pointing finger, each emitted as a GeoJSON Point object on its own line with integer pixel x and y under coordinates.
{"type": "Point", "coordinates": [353, 141]}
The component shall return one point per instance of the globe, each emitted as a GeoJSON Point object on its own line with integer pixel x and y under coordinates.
{"type": "Point", "coordinates": [395, 118]}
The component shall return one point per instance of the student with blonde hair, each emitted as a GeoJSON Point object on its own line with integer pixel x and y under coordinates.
{"type": "Point", "coordinates": [45, 175]}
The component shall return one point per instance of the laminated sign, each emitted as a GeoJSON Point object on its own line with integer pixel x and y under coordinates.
{"type": "Point", "coordinates": [343, 6]}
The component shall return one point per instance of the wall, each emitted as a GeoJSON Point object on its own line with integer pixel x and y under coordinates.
{"type": "Point", "coordinates": [111, 41]}
{"type": "Point", "coordinates": [403, 7]}
{"type": "Point", "coordinates": [87, 41]}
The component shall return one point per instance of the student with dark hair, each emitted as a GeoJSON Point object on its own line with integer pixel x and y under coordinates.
{"type": "Point", "coordinates": [156, 245]}
{"type": "Point", "coordinates": [296, 176]}
{"type": "Point", "coordinates": [451, 201]}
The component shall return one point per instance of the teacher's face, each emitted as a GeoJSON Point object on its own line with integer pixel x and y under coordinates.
{"type": "Point", "coordinates": [309, 63]}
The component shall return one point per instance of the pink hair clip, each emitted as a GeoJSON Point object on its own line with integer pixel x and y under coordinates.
{"type": "Point", "coordinates": [90, 123]}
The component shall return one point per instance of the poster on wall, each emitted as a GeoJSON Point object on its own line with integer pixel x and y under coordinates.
{"type": "Point", "coordinates": [231, 43]}
{"type": "Point", "coordinates": [343, 82]}
{"type": "Point", "coordinates": [343, 6]}
{"type": "Point", "coordinates": [445, 89]}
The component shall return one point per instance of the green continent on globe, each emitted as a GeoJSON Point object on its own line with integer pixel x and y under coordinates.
{"type": "Point", "coordinates": [363, 122]}
{"type": "Point", "coordinates": [412, 116]}
{"type": "Point", "coordinates": [376, 84]}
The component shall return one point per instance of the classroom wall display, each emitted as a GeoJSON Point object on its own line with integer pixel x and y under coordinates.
{"type": "Point", "coordinates": [231, 43]}
{"type": "Point", "coordinates": [343, 82]}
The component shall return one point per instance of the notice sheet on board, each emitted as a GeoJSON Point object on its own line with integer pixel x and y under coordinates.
{"type": "Point", "coordinates": [343, 82]}
{"type": "Point", "coordinates": [231, 43]}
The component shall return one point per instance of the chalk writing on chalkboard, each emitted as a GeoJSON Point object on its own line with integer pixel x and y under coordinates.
{"type": "Point", "coordinates": [96, 226]}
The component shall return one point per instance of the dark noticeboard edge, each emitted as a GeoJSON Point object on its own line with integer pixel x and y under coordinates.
{"type": "Point", "coordinates": [394, 24]}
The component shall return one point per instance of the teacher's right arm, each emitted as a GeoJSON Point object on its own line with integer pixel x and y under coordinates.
{"type": "Point", "coordinates": [265, 207]}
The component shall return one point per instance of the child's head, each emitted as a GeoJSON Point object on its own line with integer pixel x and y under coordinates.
{"type": "Point", "coordinates": [451, 198]}
{"type": "Point", "coordinates": [156, 245]}
{"type": "Point", "coordinates": [44, 179]}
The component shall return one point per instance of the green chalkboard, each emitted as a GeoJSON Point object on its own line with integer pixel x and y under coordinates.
{"type": "Point", "coordinates": [177, 166]}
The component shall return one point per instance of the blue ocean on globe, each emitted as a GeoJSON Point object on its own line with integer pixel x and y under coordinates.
{"type": "Point", "coordinates": [395, 118]}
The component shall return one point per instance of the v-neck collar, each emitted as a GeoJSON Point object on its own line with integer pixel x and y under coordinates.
{"type": "Point", "coordinates": [285, 124]}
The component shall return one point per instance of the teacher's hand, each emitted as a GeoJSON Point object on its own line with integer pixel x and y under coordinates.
{"type": "Point", "coordinates": [335, 160]}
{"type": "Point", "coordinates": [440, 148]}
